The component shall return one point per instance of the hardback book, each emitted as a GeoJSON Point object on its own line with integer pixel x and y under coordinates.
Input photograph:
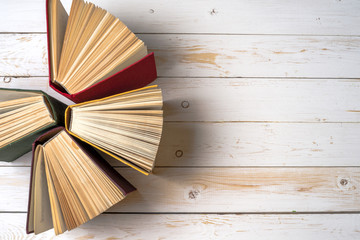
{"type": "Point", "coordinates": [25, 115]}
{"type": "Point", "coordinates": [70, 184]}
{"type": "Point", "coordinates": [126, 126]}
{"type": "Point", "coordinates": [92, 54]}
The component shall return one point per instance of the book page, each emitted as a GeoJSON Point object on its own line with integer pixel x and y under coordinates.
{"type": "Point", "coordinates": [96, 46]}
{"type": "Point", "coordinates": [57, 216]}
{"type": "Point", "coordinates": [16, 105]}
{"type": "Point", "coordinates": [19, 122]}
{"type": "Point", "coordinates": [41, 202]}
{"type": "Point", "coordinates": [57, 18]}
{"type": "Point", "coordinates": [136, 55]}
{"type": "Point", "coordinates": [7, 95]}
{"type": "Point", "coordinates": [126, 126]}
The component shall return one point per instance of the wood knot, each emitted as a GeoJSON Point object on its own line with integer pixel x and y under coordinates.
{"type": "Point", "coordinates": [344, 182]}
{"type": "Point", "coordinates": [193, 194]}
{"type": "Point", "coordinates": [7, 79]}
{"type": "Point", "coordinates": [185, 104]}
{"type": "Point", "coordinates": [179, 153]}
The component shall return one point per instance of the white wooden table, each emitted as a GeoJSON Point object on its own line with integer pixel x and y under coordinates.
{"type": "Point", "coordinates": [262, 126]}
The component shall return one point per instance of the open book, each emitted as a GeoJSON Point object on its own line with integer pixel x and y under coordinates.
{"type": "Point", "coordinates": [24, 115]}
{"type": "Point", "coordinates": [90, 46]}
{"type": "Point", "coordinates": [126, 126]}
{"type": "Point", "coordinates": [70, 184]}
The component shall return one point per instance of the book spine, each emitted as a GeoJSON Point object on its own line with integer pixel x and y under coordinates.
{"type": "Point", "coordinates": [57, 108]}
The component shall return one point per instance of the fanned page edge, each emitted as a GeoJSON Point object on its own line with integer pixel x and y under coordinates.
{"type": "Point", "coordinates": [36, 142]}
{"type": "Point", "coordinates": [104, 166]}
{"type": "Point", "coordinates": [141, 78]}
{"type": "Point", "coordinates": [142, 73]}
{"type": "Point", "coordinates": [68, 124]}
{"type": "Point", "coordinates": [37, 133]}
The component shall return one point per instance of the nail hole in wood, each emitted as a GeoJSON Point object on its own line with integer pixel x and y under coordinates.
{"type": "Point", "coordinates": [213, 12]}
{"type": "Point", "coordinates": [179, 153]}
{"type": "Point", "coordinates": [344, 182]}
{"type": "Point", "coordinates": [185, 104]}
{"type": "Point", "coordinates": [7, 79]}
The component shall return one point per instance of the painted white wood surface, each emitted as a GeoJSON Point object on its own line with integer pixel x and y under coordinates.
{"type": "Point", "coordinates": [272, 125]}
{"type": "Point", "coordinates": [261, 99]}
{"type": "Point", "coordinates": [245, 99]}
{"type": "Point", "coordinates": [199, 226]}
{"type": "Point", "coordinates": [251, 144]}
{"type": "Point", "coordinates": [184, 55]}
{"type": "Point", "coordinates": [325, 17]}
{"type": "Point", "coordinates": [218, 190]}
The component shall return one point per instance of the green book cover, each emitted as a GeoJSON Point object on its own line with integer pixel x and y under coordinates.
{"type": "Point", "coordinates": [19, 147]}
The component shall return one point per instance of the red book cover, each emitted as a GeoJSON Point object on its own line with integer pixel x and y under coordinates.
{"type": "Point", "coordinates": [137, 75]}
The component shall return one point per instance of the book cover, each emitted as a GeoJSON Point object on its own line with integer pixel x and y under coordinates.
{"type": "Point", "coordinates": [137, 75]}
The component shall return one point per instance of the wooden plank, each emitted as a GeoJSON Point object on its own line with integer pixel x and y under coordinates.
{"type": "Point", "coordinates": [23, 16]}
{"type": "Point", "coordinates": [23, 55]}
{"type": "Point", "coordinates": [218, 190]}
{"type": "Point", "coordinates": [197, 226]}
{"type": "Point", "coordinates": [247, 99]}
{"type": "Point", "coordinates": [255, 99]}
{"type": "Point", "coordinates": [179, 55]}
{"type": "Point", "coordinates": [324, 17]}
{"type": "Point", "coordinates": [252, 144]}
{"type": "Point", "coordinates": [259, 144]}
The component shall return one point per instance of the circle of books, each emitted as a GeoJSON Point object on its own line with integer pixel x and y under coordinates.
{"type": "Point", "coordinates": [98, 63]}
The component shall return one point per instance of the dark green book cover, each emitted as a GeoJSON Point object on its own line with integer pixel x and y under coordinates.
{"type": "Point", "coordinates": [15, 149]}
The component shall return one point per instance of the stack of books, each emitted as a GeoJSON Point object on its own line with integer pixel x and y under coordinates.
{"type": "Point", "coordinates": [98, 63]}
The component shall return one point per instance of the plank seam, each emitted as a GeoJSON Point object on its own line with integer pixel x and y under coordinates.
{"type": "Point", "coordinates": [212, 77]}
{"type": "Point", "coordinates": [212, 213]}
{"type": "Point", "coordinates": [204, 167]}
{"type": "Point", "coordinates": [218, 34]}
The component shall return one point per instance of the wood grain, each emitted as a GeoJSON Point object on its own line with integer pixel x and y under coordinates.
{"type": "Point", "coordinates": [261, 99]}
{"type": "Point", "coordinates": [218, 190]}
{"type": "Point", "coordinates": [264, 84]}
{"type": "Point", "coordinates": [23, 55]}
{"type": "Point", "coordinates": [326, 17]}
{"type": "Point", "coordinates": [197, 144]}
{"type": "Point", "coordinates": [246, 99]}
{"type": "Point", "coordinates": [181, 55]}
{"type": "Point", "coordinates": [198, 226]}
